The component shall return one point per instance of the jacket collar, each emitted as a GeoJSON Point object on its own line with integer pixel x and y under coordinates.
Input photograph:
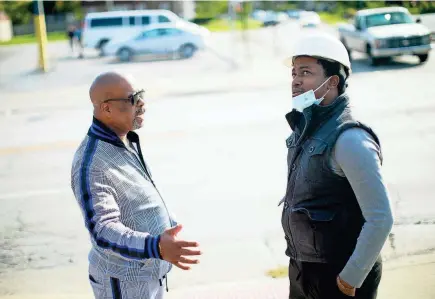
{"type": "Point", "coordinates": [102, 132]}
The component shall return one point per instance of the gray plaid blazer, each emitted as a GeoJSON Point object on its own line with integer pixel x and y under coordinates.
{"type": "Point", "coordinates": [122, 208]}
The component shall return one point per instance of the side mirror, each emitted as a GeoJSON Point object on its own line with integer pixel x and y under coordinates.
{"type": "Point", "coordinates": [418, 20]}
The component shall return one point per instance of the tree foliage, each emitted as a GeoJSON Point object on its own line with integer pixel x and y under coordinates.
{"type": "Point", "coordinates": [20, 12]}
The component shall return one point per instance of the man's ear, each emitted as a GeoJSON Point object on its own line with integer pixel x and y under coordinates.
{"type": "Point", "coordinates": [333, 82]}
{"type": "Point", "coordinates": [105, 108]}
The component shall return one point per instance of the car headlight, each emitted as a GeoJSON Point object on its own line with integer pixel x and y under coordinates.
{"type": "Point", "coordinates": [380, 43]}
{"type": "Point", "coordinates": [425, 40]}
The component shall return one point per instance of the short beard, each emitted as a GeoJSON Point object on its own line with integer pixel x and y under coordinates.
{"type": "Point", "coordinates": [136, 124]}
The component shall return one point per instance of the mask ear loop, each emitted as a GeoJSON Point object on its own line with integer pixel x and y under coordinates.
{"type": "Point", "coordinates": [323, 97]}
{"type": "Point", "coordinates": [322, 84]}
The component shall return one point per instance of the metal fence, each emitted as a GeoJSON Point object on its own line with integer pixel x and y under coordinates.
{"type": "Point", "coordinates": [54, 23]}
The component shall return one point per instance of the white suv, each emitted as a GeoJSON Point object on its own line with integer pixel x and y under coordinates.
{"type": "Point", "coordinates": [99, 28]}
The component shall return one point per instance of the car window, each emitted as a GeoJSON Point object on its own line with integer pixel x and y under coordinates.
{"type": "Point", "coordinates": [106, 22]}
{"type": "Point", "coordinates": [146, 20]}
{"type": "Point", "coordinates": [163, 19]}
{"type": "Point", "coordinates": [358, 23]}
{"type": "Point", "coordinates": [148, 34]}
{"type": "Point", "coordinates": [131, 21]}
{"type": "Point", "coordinates": [388, 19]}
{"type": "Point", "coordinates": [169, 31]}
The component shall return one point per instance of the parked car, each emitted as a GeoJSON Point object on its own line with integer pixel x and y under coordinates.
{"type": "Point", "coordinates": [309, 19]}
{"type": "Point", "coordinates": [259, 15]}
{"type": "Point", "coordinates": [294, 13]}
{"type": "Point", "coordinates": [386, 32]}
{"type": "Point", "coordinates": [99, 28]}
{"type": "Point", "coordinates": [158, 39]}
{"type": "Point", "coordinates": [270, 17]}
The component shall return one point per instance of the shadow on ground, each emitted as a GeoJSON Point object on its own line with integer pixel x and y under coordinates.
{"type": "Point", "coordinates": [362, 65]}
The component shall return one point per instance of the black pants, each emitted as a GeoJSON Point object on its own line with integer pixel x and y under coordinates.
{"type": "Point", "coordinates": [318, 281]}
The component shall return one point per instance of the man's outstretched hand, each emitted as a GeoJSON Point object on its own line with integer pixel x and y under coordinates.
{"type": "Point", "coordinates": [178, 252]}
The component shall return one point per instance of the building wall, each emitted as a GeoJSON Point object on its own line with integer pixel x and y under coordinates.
{"type": "Point", "coordinates": [53, 24]}
{"type": "Point", "coordinates": [5, 30]}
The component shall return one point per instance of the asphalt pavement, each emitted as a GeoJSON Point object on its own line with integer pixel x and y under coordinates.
{"type": "Point", "coordinates": [215, 138]}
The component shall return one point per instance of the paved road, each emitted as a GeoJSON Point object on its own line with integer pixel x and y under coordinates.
{"type": "Point", "coordinates": [214, 137]}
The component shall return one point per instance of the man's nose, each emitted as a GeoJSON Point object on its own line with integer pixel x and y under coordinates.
{"type": "Point", "coordinates": [296, 82]}
{"type": "Point", "coordinates": [140, 103]}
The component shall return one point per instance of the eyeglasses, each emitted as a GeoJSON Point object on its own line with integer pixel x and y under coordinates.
{"type": "Point", "coordinates": [134, 98]}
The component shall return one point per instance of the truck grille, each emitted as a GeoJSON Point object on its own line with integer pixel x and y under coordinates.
{"type": "Point", "coordinates": [401, 42]}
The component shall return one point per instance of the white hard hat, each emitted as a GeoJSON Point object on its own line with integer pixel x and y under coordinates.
{"type": "Point", "coordinates": [320, 45]}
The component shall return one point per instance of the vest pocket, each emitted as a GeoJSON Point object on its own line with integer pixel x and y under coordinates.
{"type": "Point", "coordinates": [312, 163]}
{"type": "Point", "coordinates": [316, 231]}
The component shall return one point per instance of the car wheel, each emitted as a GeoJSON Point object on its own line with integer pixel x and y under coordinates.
{"type": "Point", "coordinates": [125, 54]}
{"type": "Point", "coordinates": [374, 61]}
{"type": "Point", "coordinates": [423, 57]}
{"type": "Point", "coordinates": [187, 51]}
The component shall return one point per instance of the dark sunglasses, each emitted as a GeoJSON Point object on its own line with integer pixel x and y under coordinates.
{"type": "Point", "coordinates": [134, 98]}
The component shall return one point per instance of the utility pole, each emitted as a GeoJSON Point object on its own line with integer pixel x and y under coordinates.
{"type": "Point", "coordinates": [41, 34]}
{"type": "Point", "coordinates": [244, 10]}
{"type": "Point", "coordinates": [232, 20]}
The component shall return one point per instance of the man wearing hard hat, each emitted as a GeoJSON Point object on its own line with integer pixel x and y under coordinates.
{"type": "Point", "coordinates": [336, 213]}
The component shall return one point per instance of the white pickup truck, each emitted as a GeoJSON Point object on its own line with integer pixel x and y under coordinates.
{"type": "Point", "coordinates": [386, 32]}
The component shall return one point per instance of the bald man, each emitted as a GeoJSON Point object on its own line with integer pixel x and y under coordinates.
{"type": "Point", "coordinates": [134, 238]}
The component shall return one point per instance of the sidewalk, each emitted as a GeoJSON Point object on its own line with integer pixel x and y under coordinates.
{"type": "Point", "coordinates": [406, 278]}
{"type": "Point", "coordinates": [410, 277]}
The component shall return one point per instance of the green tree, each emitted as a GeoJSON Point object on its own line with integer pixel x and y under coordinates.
{"type": "Point", "coordinates": [245, 10]}
{"type": "Point", "coordinates": [20, 12]}
{"type": "Point", "coordinates": [74, 7]}
{"type": "Point", "coordinates": [67, 6]}
{"type": "Point", "coordinates": [210, 9]}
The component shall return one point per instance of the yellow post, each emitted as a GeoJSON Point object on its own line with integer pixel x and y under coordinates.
{"type": "Point", "coordinates": [41, 34]}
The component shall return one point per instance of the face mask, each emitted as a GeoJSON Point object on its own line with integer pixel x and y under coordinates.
{"type": "Point", "coordinates": [308, 98]}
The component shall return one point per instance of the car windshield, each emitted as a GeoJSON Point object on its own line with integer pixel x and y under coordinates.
{"type": "Point", "coordinates": [389, 19]}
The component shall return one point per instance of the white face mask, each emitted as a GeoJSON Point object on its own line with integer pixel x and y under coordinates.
{"type": "Point", "coordinates": [308, 98]}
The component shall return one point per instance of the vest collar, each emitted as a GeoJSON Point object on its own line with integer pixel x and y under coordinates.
{"type": "Point", "coordinates": [315, 114]}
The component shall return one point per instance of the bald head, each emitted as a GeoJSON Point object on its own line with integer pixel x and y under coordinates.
{"type": "Point", "coordinates": [110, 85]}
{"type": "Point", "coordinates": [110, 94]}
